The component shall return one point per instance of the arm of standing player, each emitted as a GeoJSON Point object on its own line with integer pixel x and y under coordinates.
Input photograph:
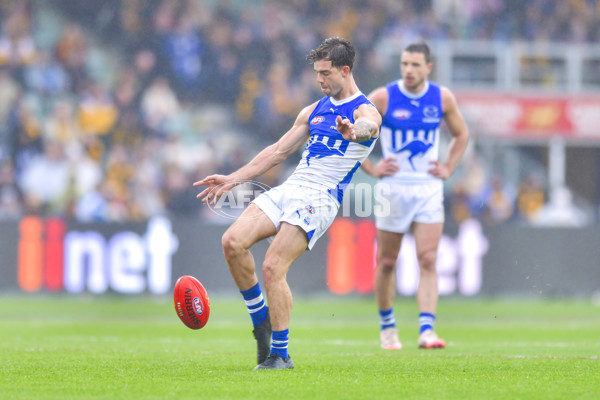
{"type": "Point", "coordinates": [460, 136]}
{"type": "Point", "coordinates": [366, 124]}
{"type": "Point", "coordinates": [269, 157]}
{"type": "Point", "coordinates": [385, 166]}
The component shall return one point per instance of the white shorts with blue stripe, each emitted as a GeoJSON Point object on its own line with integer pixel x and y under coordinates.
{"type": "Point", "coordinates": [311, 209]}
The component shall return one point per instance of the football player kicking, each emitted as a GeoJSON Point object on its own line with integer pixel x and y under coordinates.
{"type": "Point", "coordinates": [341, 130]}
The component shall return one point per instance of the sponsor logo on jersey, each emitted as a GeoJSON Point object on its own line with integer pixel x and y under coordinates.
{"type": "Point", "coordinates": [401, 114]}
{"type": "Point", "coordinates": [317, 120]}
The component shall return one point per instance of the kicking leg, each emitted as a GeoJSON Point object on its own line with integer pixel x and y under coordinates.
{"type": "Point", "coordinates": [252, 226]}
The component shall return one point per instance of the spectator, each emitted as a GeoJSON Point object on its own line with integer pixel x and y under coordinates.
{"type": "Point", "coordinates": [45, 181]}
{"type": "Point", "coordinates": [180, 196]}
{"type": "Point", "coordinates": [46, 76]}
{"type": "Point", "coordinates": [11, 197]}
{"type": "Point", "coordinates": [92, 206]}
{"type": "Point", "coordinates": [499, 202]}
{"type": "Point", "coordinates": [61, 126]}
{"type": "Point", "coordinates": [183, 48]}
{"type": "Point", "coordinates": [159, 103]}
{"type": "Point", "coordinates": [17, 48]}
{"type": "Point", "coordinates": [97, 113]}
{"type": "Point", "coordinates": [9, 94]}
{"type": "Point", "coordinates": [530, 197]}
{"type": "Point", "coordinates": [24, 131]}
{"type": "Point", "coordinates": [128, 128]}
{"type": "Point", "coordinates": [72, 53]}
{"type": "Point", "coordinates": [459, 204]}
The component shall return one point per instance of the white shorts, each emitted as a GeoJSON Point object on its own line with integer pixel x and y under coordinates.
{"type": "Point", "coordinates": [399, 205]}
{"type": "Point", "coordinates": [311, 209]}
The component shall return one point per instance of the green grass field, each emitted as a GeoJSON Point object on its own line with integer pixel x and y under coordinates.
{"type": "Point", "coordinates": [62, 347]}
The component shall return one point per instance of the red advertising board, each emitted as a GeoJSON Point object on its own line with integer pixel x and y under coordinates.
{"type": "Point", "coordinates": [527, 116]}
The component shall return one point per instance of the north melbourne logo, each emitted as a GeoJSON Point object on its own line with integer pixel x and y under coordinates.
{"type": "Point", "coordinates": [324, 146]}
{"type": "Point", "coordinates": [431, 114]}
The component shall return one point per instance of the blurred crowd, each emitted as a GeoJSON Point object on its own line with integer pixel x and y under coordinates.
{"type": "Point", "coordinates": [110, 110]}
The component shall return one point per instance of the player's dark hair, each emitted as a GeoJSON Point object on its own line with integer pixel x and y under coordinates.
{"type": "Point", "coordinates": [419, 47]}
{"type": "Point", "coordinates": [335, 49]}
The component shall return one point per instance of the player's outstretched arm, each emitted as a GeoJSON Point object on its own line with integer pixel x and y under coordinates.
{"type": "Point", "coordinates": [269, 157]}
{"type": "Point", "coordinates": [460, 136]}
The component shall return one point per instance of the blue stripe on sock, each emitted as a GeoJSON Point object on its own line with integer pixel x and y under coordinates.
{"type": "Point", "coordinates": [426, 321]}
{"type": "Point", "coordinates": [279, 342]}
{"type": "Point", "coordinates": [255, 304]}
{"type": "Point", "coordinates": [386, 318]}
{"type": "Point", "coordinates": [251, 293]}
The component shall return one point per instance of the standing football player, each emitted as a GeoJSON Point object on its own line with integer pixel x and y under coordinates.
{"type": "Point", "coordinates": [412, 110]}
{"type": "Point", "coordinates": [341, 130]}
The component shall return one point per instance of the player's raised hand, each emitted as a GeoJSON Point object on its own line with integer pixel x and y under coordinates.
{"type": "Point", "coordinates": [439, 170]}
{"type": "Point", "coordinates": [345, 127]}
{"type": "Point", "coordinates": [218, 185]}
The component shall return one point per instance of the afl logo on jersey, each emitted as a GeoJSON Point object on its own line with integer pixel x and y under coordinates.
{"type": "Point", "coordinates": [317, 120]}
{"type": "Point", "coordinates": [401, 114]}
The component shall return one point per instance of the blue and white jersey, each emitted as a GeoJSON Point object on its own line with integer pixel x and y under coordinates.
{"type": "Point", "coordinates": [329, 161]}
{"type": "Point", "coordinates": [410, 131]}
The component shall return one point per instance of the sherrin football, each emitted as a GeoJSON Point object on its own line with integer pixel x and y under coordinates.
{"type": "Point", "coordinates": [191, 302]}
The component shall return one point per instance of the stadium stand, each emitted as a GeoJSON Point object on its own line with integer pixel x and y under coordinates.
{"type": "Point", "coordinates": [122, 104]}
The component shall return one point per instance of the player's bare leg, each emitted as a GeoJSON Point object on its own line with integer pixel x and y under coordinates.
{"type": "Point", "coordinates": [252, 226]}
{"type": "Point", "coordinates": [388, 245]}
{"type": "Point", "coordinates": [289, 243]}
{"type": "Point", "coordinates": [427, 238]}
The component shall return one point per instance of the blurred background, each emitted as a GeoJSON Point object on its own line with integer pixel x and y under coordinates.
{"type": "Point", "coordinates": [110, 110]}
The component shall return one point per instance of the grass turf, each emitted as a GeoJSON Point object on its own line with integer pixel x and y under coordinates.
{"type": "Point", "coordinates": [61, 347]}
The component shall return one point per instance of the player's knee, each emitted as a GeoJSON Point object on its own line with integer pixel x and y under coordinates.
{"type": "Point", "coordinates": [231, 245]}
{"type": "Point", "coordinates": [387, 264]}
{"type": "Point", "coordinates": [270, 270]}
{"type": "Point", "coordinates": [427, 261]}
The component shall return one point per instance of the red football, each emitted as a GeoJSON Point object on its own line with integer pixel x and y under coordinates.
{"type": "Point", "coordinates": [191, 302]}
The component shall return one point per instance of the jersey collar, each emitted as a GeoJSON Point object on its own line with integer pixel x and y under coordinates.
{"type": "Point", "coordinates": [346, 100]}
{"type": "Point", "coordinates": [413, 95]}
